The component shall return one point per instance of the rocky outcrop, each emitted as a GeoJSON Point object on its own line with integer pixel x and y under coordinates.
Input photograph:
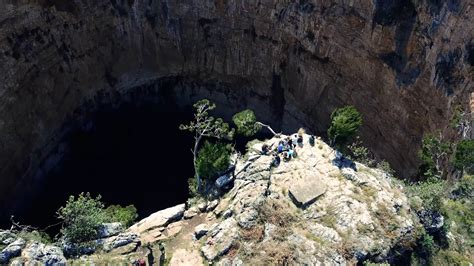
{"type": "Point", "coordinates": [293, 62]}
{"type": "Point", "coordinates": [348, 216]}
{"type": "Point", "coordinates": [39, 253]}
{"type": "Point", "coordinates": [359, 214]}
{"type": "Point", "coordinates": [159, 219]}
{"type": "Point", "coordinates": [12, 250]}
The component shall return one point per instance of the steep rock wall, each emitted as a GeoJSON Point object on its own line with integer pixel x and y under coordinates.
{"type": "Point", "coordinates": [402, 63]}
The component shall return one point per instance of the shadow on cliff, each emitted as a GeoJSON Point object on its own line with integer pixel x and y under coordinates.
{"type": "Point", "coordinates": [131, 155]}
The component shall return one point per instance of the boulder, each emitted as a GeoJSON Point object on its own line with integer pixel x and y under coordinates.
{"type": "Point", "coordinates": [8, 241]}
{"type": "Point", "coordinates": [228, 213]}
{"type": "Point", "coordinates": [202, 206]}
{"type": "Point", "coordinates": [212, 205]}
{"type": "Point", "coordinates": [39, 253]}
{"type": "Point", "coordinates": [221, 239]}
{"type": "Point", "coordinates": [248, 218]}
{"type": "Point", "coordinates": [6, 234]}
{"type": "Point", "coordinates": [159, 219]}
{"type": "Point", "coordinates": [200, 231]}
{"type": "Point", "coordinates": [191, 212]}
{"type": "Point", "coordinates": [12, 250]}
{"type": "Point", "coordinates": [305, 192]}
{"type": "Point", "coordinates": [120, 240]}
{"type": "Point", "coordinates": [110, 229]}
{"type": "Point", "coordinates": [224, 180]}
{"type": "Point", "coordinates": [432, 221]}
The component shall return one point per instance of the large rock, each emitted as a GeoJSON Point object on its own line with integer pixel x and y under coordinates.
{"type": "Point", "coordinates": [201, 230]}
{"type": "Point", "coordinates": [39, 253]}
{"type": "Point", "coordinates": [12, 250]}
{"type": "Point", "coordinates": [110, 229]}
{"type": "Point", "coordinates": [221, 239]}
{"type": "Point", "coordinates": [159, 219]}
{"type": "Point", "coordinates": [305, 192]}
{"type": "Point", "coordinates": [6, 234]}
{"type": "Point", "coordinates": [120, 240]}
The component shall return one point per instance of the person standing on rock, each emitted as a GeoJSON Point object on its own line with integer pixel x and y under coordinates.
{"type": "Point", "coordinates": [311, 140]}
{"type": "Point", "coordinates": [280, 147]}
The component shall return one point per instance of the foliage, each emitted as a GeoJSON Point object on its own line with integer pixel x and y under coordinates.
{"type": "Point", "coordinates": [360, 153]}
{"type": "Point", "coordinates": [344, 124]}
{"type": "Point", "coordinates": [213, 158]}
{"type": "Point", "coordinates": [246, 123]}
{"type": "Point", "coordinates": [82, 217]}
{"type": "Point", "coordinates": [464, 156]}
{"type": "Point", "coordinates": [433, 152]}
{"type": "Point", "coordinates": [205, 125]}
{"type": "Point", "coordinates": [34, 236]}
{"type": "Point", "coordinates": [125, 215]}
{"type": "Point", "coordinates": [431, 192]}
{"type": "Point", "coordinates": [458, 113]}
{"type": "Point", "coordinates": [458, 220]}
{"type": "Point", "coordinates": [192, 187]}
{"type": "Point", "coordinates": [427, 244]}
{"type": "Point", "coordinates": [450, 257]}
{"type": "Point", "coordinates": [386, 167]}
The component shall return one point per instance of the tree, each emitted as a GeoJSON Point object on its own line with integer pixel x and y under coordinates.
{"type": "Point", "coordinates": [213, 158]}
{"type": "Point", "coordinates": [433, 153]}
{"type": "Point", "coordinates": [82, 218]}
{"type": "Point", "coordinates": [464, 156]}
{"type": "Point", "coordinates": [247, 123]}
{"type": "Point", "coordinates": [205, 125]}
{"type": "Point", "coordinates": [344, 124]}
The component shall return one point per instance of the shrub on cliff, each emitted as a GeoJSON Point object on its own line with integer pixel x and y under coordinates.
{"type": "Point", "coordinates": [433, 153]}
{"type": "Point", "coordinates": [205, 126]}
{"type": "Point", "coordinates": [125, 215]}
{"type": "Point", "coordinates": [464, 157]}
{"type": "Point", "coordinates": [344, 125]}
{"type": "Point", "coordinates": [247, 124]}
{"type": "Point", "coordinates": [213, 158]}
{"type": "Point", "coordinates": [82, 217]}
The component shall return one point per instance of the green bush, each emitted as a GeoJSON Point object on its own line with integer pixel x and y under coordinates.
{"type": "Point", "coordinates": [213, 158]}
{"type": "Point", "coordinates": [344, 124]}
{"type": "Point", "coordinates": [125, 215]}
{"type": "Point", "coordinates": [246, 123]}
{"type": "Point", "coordinates": [464, 157]}
{"type": "Point", "coordinates": [427, 244]}
{"type": "Point", "coordinates": [433, 151]}
{"type": "Point", "coordinates": [360, 153]}
{"type": "Point", "coordinates": [82, 217]}
{"type": "Point", "coordinates": [431, 192]}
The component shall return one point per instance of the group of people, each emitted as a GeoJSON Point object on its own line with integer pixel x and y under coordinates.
{"type": "Point", "coordinates": [286, 148]}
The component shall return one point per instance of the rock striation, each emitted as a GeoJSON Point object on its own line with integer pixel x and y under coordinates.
{"type": "Point", "coordinates": [404, 65]}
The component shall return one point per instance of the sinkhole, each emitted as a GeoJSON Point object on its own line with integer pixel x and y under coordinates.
{"type": "Point", "coordinates": [127, 148]}
{"type": "Point", "coordinates": [133, 154]}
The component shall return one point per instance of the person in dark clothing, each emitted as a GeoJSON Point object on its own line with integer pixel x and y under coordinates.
{"type": "Point", "coordinates": [264, 149]}
{"type": "Point", "coordinates": [311, 140]}
{"type": "Point", "coordinates": [300, 141]}
{"type": "Point", "coordinates": [280, 147]}
{"type": "Point", "coordinates": [276, 160]}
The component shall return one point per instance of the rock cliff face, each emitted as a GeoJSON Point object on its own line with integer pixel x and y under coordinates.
{"type": "Point", "coordinates": [402, 63]}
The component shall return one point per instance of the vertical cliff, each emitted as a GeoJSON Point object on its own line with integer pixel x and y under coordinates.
{"type": "Point", "coordinates": [403, 64]}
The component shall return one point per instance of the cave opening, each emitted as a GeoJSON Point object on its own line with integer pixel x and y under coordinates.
{"type": "Point", "coordinates": [131, 154]}
{"type": "Point", "coordinates": [128, 148]}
